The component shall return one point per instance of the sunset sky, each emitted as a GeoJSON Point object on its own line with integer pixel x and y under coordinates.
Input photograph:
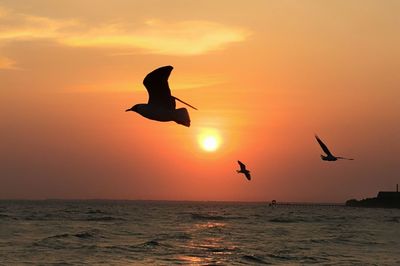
{"type": "Point", "coordinates": [265, 76]}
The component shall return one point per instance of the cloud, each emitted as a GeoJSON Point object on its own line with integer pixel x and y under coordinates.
{"type": "Point", "coordinates": [182, 83]}
{"type": "Point", "coordinates": [17, 27]}
{"type": "Point", "coordinates": [190, 37]}
{"type": "Point", "coordinates": [194, 82]}
{"type": "Point", "coordinates": [176, 38]}
{"type": "Point", "coordinates": [7, 63]}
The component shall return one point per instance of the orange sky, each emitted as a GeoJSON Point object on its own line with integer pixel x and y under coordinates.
{"type": "Point", "coordinates": [266, 76]}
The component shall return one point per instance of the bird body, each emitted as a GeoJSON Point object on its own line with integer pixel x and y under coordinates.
{"type": "Point", "coordinates": [329, 156]}
{"type": "Point", "coordinates": [180, 115]}
{"type": "Point", "coordinates": [243, 170]}
{"type": "Point", "coordinates": [161, 105]}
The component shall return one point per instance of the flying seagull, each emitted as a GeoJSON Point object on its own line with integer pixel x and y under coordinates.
{"type": "Point", "coordinates": [161, 104]}
{"type": "Point", "coordinates": [243, 170]}
{"type": "Point", "coordinates": [329, 156]}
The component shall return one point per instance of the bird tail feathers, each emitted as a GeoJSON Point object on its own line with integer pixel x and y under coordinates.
{"type": "Point", "coordinates": [182, 117]}
{"type": "Point", "coordinates": [344, 158]}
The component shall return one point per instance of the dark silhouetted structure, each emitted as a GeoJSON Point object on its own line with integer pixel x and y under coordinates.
{"type": "Point", "coordinates": [384, 199]}
{"type": "Point", "coordinates": [161, 105]}
{"type": "Point", "coordinates": [329, 156]}
{"type": "Point", "coordinates": [273, 203]}
{"type": "Point", "coordinates": [243, 170]}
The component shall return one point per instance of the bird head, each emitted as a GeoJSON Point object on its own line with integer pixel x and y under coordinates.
{"type": "Point", "coordinates": [133, 108]}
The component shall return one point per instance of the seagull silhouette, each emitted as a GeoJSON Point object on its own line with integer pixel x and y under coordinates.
{"type": "Point", "coordinates": [161, 104]}
{"type": "Point", "coordinates": [329, 156]}
{"type": "Point", "coordinates": [243, 170]}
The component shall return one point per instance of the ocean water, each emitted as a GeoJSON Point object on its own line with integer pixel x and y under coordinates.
{"type": "Point", "coordinates": [195, 233]}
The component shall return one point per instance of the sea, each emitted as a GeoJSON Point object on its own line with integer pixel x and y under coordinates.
{"type": "Point", "coordinates": [106, 232]}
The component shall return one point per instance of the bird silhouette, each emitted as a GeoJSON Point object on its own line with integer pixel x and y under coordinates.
{"type": "Point", "coordinates": [329, 156]}
{"type": "Point", "coordinates": [243, 170]}
{"type": "Point", "coordinates": [161, 104]}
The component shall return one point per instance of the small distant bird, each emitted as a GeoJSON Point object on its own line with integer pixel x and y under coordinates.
{"type": "Point", "coordinates": [243, 170]}
{"type": "Point", "coordinates": [329, 156]}
{"type": "Point", "coordinates": [161, 104]}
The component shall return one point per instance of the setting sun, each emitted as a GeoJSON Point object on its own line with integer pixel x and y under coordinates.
{"type": "Point", "coordinates": [209, 140]}
{"type": "Point", "coordinates": [210, 143]}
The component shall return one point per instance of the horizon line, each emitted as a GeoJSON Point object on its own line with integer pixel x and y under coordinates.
{"type": "Point", "coordinates": [172, 200]}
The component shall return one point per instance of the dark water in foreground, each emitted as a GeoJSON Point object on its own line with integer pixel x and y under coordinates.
{"type": "Point", "coordinates": [165, 233]}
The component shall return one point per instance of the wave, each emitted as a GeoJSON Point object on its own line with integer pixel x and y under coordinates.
{"type": "Point", "coordinates": [254, 259]}
{"type": "Point", "coordinates": [392, 219]}
{"type": "Point", "coordinates": [175, 236]}
{"type": "Point", "coordinates": [281, 257]}
{"type": "Point", "coordinates": [97, 211]}
{"type": "Point", "coordinates": [57, 236]}
{"type": "Point", "coordinates": [312, 260]}
{"type": "Point", "coordinates": [319, 240]}
{"type": "Point", "coordinates": [142, 248]}
{"type": "Point", "coordinates": [202, 216]}
{"type": "Point", "coordinates": [84, 235]}
{"type": "Point", "coordinates": [5, 216]}
{"type": "Point", "coordinates": [151, 243]}
{"type": "Point", "coordinates": [81, 235]}
{"type": "Point", "coordinates": [217, 249]}
{"type": "Point", "coordinates": [104, 218]}
{"type": "Point", "coordinates": [283, 220]}
{"type": "Point", "coordinates": [182, 236]}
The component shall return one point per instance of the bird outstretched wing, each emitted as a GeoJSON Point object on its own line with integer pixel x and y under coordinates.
{"type": "Point", "coordinates": [156, 83]}
{"type": "Point", "coordinates": [242, 166]}
{"type": "Point", "coordinates": [323, 146]}
{"type": "Point", "coordinates": [248, 176]}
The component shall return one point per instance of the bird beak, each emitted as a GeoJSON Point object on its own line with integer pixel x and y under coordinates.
{"type": "Point", "coordinates": [128, 110]}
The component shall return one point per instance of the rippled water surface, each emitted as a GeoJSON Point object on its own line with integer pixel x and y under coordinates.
{"type": "Point", "coordinates": [196, 233]}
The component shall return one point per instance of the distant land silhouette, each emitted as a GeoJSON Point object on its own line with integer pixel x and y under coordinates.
{"type": "Point", "coordinates": [384, 199]}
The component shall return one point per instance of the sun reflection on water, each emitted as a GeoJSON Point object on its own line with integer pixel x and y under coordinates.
{"type": "Point", "coordinates": [210, 225]}
{"type": "Point", "coordinates": [208, 246]}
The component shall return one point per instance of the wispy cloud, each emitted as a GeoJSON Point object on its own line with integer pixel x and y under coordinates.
{"type": "Point", "coordinates": [7, 63]}
{"type": "Point", "coordinates": [17, 27]}
{"type": "Point", "coordinates": [152, 36]}
{"type": "Point", "coordinates": [194, 82]}
{"type": "Point", "coordinates": [187, 82]}
{"type": "Point", "coordinates": [172, 38]}
{"type": "Point", "coordinates": [3, 12]}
